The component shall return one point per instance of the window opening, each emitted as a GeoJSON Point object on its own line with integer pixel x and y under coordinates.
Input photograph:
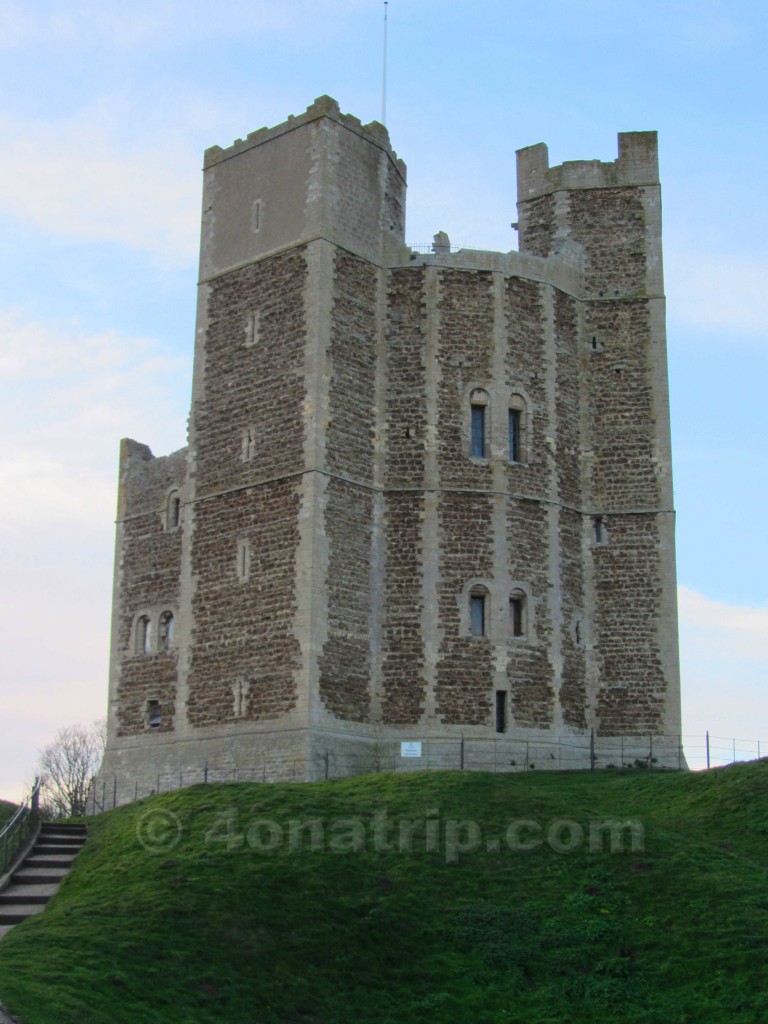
{"type": "Point", "coordinates": [477, 614]}
{"type": "Point", "coordinates": [501, 711]}
{"type": "Point", "coordinates": [599, 530]}
{"type": "Point", "coordinates": [143, 637]}
{"type": "Point", "coordinates": [165, 631]}
{"type": "Point", "coordinates": [514, 435]}
{"type": "Point", "coordinates": [154, 716]}
{"type": "Point", "coordinates": [249, 443]}
{"type": "Point", "coordinates": [477, 446]}
{"type": "Point", "coordinates": [243, 559]}
{"type": "Point", "coordinates": [252, 324]}
{"type": "Point", "coordinates": [173, 511]}
{"type": "Point", "coordinates": [516, 612]}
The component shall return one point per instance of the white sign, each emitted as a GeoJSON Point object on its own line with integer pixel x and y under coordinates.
{"type": "Point", "coordinates": [410, 749]}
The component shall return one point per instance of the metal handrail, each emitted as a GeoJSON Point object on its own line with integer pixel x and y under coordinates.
{"type": "Point", "coordinates": [14, 833]}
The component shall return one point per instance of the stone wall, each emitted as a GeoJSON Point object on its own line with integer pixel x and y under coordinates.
{"type": "Point", "coordinates": [148, 568]}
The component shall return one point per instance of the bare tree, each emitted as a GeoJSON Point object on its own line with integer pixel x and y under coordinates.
{"type": "Point", "coordinates": [68, 764]}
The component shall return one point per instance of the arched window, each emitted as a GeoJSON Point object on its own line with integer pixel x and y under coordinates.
{"type": "Point", "coordinates": [518, 608]}
{"type": "Point", "coordinates": [478, 611]}
{"type": "Point", "coordinates": [143, 634]}
{"type": "Point", "coordinates": [173, 511]}
{"type": "Point", "coordinates": [478, 424]}
{"type": "Point", "coordinates": [165, 632]}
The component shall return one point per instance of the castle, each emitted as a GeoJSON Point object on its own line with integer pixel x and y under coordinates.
{"type": "Point", "coordinates": [426, 506]}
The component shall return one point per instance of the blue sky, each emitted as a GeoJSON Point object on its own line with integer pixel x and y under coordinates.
{"type": "Point", "coordinates": [105, 110]}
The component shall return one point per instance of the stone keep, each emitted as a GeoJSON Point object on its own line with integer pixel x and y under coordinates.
{"type": "Point", "coordinates": [425, 497]}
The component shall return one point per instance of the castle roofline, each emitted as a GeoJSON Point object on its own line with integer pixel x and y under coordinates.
{"type": "Point", "coordinates": [324, 106]}
{"type": "Point", "coordinates": [637, 164]}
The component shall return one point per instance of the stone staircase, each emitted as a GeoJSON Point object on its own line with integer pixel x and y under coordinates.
{"type": "Point", "coordinates": [39, 875]}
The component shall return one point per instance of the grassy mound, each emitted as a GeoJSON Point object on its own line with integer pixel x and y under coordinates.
{"type": "Point", "coordinates": [392, 899]}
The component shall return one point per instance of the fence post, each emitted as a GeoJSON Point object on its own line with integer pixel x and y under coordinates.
{"type": "Point", "coordinates": [707, 748]}
{"type": "Point", "coordinates": [650, 751]}
{"type": "Point", "coordinates": [592, 754]}
{"type": "Point", "coordinates": [205, 771]}
{"type": "Point", "coordinates": [734, 750]}
{"type": "Point", "coordinates": [325, 758]}
{"type": "Point", "coordinates": [461, 752]}
{"type": "Point", "coordinates": [114, 791]}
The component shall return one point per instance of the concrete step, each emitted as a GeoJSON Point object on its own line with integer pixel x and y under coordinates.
{"type": "Point", "coordinates": [20, 913]}
{"type": "Point", "coordinates": [49, 848]}
{"type": "Point", "coordinates": [40, 874]}
{"type": "Point", "coordinates": [22, 898]}
{"type": "Point", "coordinates": [48, 862]}
{"type": "Point", "coordinates": [55, 839]}
{"type": "Point", "coordinates": [24, 877]}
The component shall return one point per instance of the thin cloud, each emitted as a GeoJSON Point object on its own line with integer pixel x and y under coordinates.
{"type": "Point", "coordinates": [67, 398]}
{"type": "Point", "coordinates": [78, 179]}
{"type": "Point", "coordinates": [718, 292]}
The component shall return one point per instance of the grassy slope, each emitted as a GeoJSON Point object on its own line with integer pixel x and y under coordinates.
{"type": "Point", "coordinates": [674, 935]}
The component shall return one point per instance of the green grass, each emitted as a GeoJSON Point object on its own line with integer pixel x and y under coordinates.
{"type": "Point", "coordinates": [217, 930]}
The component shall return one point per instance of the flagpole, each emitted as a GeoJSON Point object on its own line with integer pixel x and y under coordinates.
{"type": "Point", "coordinates": [384, 70]}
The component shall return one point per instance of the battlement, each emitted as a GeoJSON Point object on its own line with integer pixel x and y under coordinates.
{"type": "Point", "coordinates": [637, 164]}
{"type": "Point", "coordinates": [324, 106]}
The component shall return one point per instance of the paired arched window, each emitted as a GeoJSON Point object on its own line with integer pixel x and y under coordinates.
{"type": "Point", "coordinates": [143, 642]}
{"type": "Point", "coordinates": [482, 425]}
{"type": "Point", "coordinates": [477, 617]}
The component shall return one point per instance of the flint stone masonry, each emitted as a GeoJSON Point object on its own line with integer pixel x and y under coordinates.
{"type": "Point", "coordinates": [334, 522]}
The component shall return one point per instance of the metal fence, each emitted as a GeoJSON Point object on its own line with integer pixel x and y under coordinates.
{"type": "Point", "coordinates": [504, 755]}
{"type": "Point", "coordinates": [18, 830]}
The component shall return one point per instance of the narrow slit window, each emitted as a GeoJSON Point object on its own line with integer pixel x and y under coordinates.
{"type": "Point", "coordinates": [477, 614]}
{"type": "Point", "coordinates": [249, 443]}
{"type": "Point", "coordinates": [514, 435]}
{"type": "Point", "coordinates": [599, 530]}
{"type": "Point", "coordinates": [243, 559]}
{"type": "Point", "coordinates": [501, 711]}
{"type": "Point", "coordinates": [173, 511]}
{"type": "Point", "coordinates": [477, 443]}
